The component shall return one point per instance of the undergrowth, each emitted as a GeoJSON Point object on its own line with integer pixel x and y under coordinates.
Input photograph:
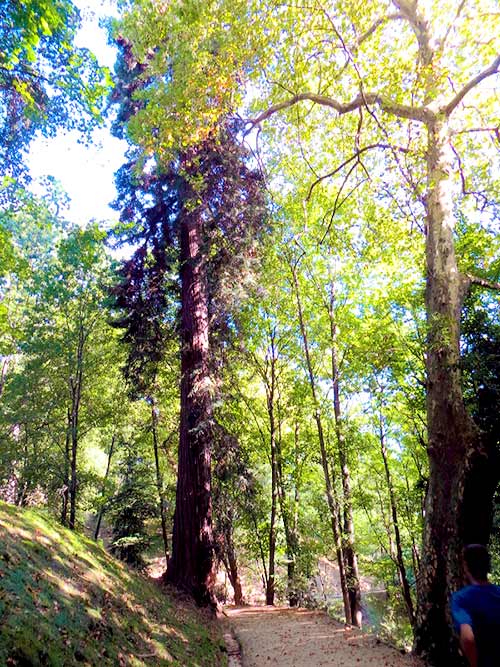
{"type": "Point", "coordinates": [64, 601]}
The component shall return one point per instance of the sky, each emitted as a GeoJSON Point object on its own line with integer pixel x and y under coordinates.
{"type": "Point", "coordinates": [86, 173]}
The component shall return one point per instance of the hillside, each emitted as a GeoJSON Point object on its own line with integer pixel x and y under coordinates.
{"type": "Point", "coordinates": [64, 601]}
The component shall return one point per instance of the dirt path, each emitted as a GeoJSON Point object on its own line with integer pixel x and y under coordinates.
{"type": "Point", "coordinates": [284, 637]}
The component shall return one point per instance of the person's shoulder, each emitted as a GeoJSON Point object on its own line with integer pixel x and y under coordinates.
{"type": "Point", "coordinates": [464, 593]}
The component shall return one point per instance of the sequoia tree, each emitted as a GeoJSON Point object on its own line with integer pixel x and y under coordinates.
{"type": "Point", "coordinates": [201, 209]}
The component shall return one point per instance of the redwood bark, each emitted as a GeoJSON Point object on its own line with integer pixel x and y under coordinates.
{"type": "Point", "coordinates": [191, 567]}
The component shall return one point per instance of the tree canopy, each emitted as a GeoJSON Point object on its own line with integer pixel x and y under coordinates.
{"type": "Point", "coordinates": [292, 363]}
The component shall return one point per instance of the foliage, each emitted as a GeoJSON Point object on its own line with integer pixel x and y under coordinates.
{"type": "Point", "coordinates": [131, 507]}
{"type": "Point", "coordinates": [45, 82]}
{"type": "Point", "coordinates": [332, 98]}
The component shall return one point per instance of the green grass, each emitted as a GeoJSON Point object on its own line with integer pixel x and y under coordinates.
{"type": "Point", "coordinates": [64, 601]}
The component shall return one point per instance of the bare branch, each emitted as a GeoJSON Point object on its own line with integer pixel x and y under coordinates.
{"type": "Point", "coordinates": [482, 200]}
{"type": "Point", "coordinates": [482, 282]}
{"type": "Point", "coordinates": [337, 205]}
{"type": "Point", "coordinates": [489, 71]}
{"type": "Point", "coordinates": [421, 114]}
{"type": "Point", "coordinates": [355, 156]}
{"type": "Point", "coordinates": [376, 24]}
{"type": "Point", "coordinates": [473, 130]}
{"type": "Point", "coordinates": [443, 41]}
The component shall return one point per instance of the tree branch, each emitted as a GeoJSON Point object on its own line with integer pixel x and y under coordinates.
{"type": "Point", "coordinates": [482, 282]}
{"type": "Point", "coordinates": [355, 156]}
{"type": "Point", "coordinates": [444, 39]}
{"type": "Point", "coordinates": [420, 27]}
{"type": "Point", "coordinates": [489, 71]}
{"type": "Point", "coordinates": [376, 24]}
{"type": "Point", "coordinates": [421, 114]}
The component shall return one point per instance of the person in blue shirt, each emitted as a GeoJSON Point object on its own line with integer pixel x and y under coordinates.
{"type": "Point", "coordinates": [476, 611]}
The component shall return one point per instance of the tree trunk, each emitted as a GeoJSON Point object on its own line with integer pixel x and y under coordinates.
{"type": "Point", "coordinates": [350, 558]}
{"type": "Point", "coordinates": [191, 567]}
{"type": "Point", "coordinates": [403, 579]}
{"type": "Point", "coordinates": [3, 373]}
{"type": "Point", "coordinates": [231, 563]}
{"type": "Point", "coordinates": [75, 384]}
{"type": "Point", "coordinates": [415, 555]}
{"type": "Point", "coordinates": [329, 487]}
{"type": "Point", "coordinates": [290, 530]}
{"type": "Point", "coordinates": [452, 438]}
{"type": "Point", "coordinates": [270, 392]}
{"type": "Point", "coordinates": [67, 456]}
{"type": "Point", "coordinates": [261, 551]}
{"type": "Point", "coordinates": [159, 480]}
{"type": "Point", "coordinates": [104, 481]}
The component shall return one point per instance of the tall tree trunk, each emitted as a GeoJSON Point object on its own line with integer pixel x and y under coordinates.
{"type": "Point", "coordinates": [231, 563]}
{"type": "Point", "coordinates": [351, 561]}
{"type": "Point", "coordinates": [270, 394]}
{"type": "Point", "coordinates": [415, 555]}
{"type": "Point", "coordinates": [289, 526]}
{"type": "Point", "coordinates": [329, 487]}
{"type": "Point", "coordinates": [191, 567]}
{"type": "Point", "coordinates": [103, 490]}
{"type": "Point", "coordinates": [405, 586]}
{"type": "Point", "coordinates": [261, 551]}
{"type": "Point", "coordinates": [452, 438]}
{"type": "Point", "coordinates": [75, 383]}
{"type": "Point", "coordinates": [67, 457]}
{"type": "Point", "coordinates": [159, 479]}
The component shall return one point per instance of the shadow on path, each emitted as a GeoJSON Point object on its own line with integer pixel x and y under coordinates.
{"type": "Point", "coordinates": [283, 637]}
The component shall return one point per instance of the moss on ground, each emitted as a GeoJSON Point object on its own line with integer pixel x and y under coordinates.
{"type": "Point", "coordinates": [64, 601]}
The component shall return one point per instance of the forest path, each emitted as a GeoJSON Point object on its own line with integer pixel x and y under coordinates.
{"type": "Point", "coordinates": [284, 637]}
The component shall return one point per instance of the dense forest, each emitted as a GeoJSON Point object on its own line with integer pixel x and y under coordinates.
{"type": "Point", "coordinates": [285, 352]}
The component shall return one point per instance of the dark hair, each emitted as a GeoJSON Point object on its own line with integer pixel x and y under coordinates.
{"type": "Point", "coordinates": [477, 559]}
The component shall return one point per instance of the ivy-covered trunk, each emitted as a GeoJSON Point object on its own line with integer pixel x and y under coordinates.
{"type": "Point", "coordinates": [452, 438]}
{"type": "Point", "coordinates": [191, 567]}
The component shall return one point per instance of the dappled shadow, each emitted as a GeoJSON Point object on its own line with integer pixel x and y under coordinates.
{"type": "Point", "coordinates": [284, 637]}
{"type": "Point", "coordinates": [63, 601]}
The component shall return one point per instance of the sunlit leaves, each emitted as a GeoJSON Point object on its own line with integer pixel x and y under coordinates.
{"type": "Point", "coordinates": [45, 82]}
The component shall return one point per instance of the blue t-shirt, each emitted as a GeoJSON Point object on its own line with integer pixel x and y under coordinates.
{"type": "Point", "coordinates": [479, 606]}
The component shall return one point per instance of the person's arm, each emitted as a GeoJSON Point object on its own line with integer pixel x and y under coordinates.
{"type": "Point", "coordinates": [462, 622]}
{"type": "Point", "coordinates": [468, 644]}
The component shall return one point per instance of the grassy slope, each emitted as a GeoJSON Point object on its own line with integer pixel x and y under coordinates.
{"type": "Point", "coordinates": [64, 601]}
